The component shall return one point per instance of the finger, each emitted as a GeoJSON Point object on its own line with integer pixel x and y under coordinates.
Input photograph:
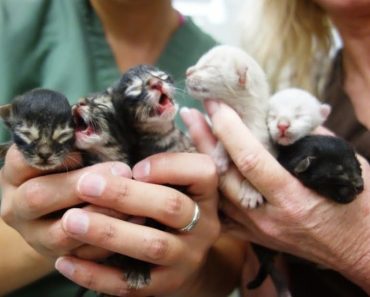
{"type": "Point", "coordinates": [161, 203]}
{"type": "Point", "coordinates": [197, 171]}
{"type": "Point", "coordinates": [248, 154]}
{"type": "Point", "coordinates": [49, 237]}
{"type": "Point", "coordinates": [93, 276]}
{"type": "Point", "coordinates": [99, 230]}
{"type": "Point", "coordinates": [110, 280]}
{"type": "Point", "coordinates": [199, 130]}
{"type": "Point", "coordinates": [89, 252]}
{"type": "Point", "coordinates": [46, 194]}
{"type": "Point", "coordinates": [16, 170]}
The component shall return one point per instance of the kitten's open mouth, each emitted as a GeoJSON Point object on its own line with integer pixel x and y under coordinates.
{"type": "Point", "coordinates": [163, 105]}
{"type": "Point", "coordinates": [82, 122]}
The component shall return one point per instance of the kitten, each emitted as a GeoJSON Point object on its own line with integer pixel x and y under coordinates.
{"type": "Point", "coordinates": [99, 134]}
{"type": "Point", "coordinates": [229, 74]}
{"type": "Point", "coordinates": [138, 112]}
{"type": "Point", "coordinates": [144, 98]}
{"type": "Point", "coordinates": [325, 164]}
{"type": "Point", "coordinates": [42, 128]}
{"type": "Point", "coordinates": [293, 113]}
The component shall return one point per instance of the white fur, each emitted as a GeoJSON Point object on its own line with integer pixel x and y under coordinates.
{"type": "Point", "coordinates": [229, 74]}
{"type": "Point", "coordinates": [298, 110]}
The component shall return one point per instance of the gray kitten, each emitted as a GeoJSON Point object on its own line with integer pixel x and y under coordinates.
{"type": "Point", "coordinates": [42, 128]}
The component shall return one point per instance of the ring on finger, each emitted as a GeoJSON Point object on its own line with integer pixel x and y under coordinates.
{"type": "Point", "coordinates": [194, 220]}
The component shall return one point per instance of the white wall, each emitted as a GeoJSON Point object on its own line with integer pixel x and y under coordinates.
{"type": "Point", "coordinates": [217, 17]}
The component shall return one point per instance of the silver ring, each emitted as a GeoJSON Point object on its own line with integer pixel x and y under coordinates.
{"type": "Point", "coordinates": [194, 220]}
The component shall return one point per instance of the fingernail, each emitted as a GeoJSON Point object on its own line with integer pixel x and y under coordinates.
{"type": "Point", "coordinates": [121, 169]}
{"type": "Point", "coordinates": [65, 267]}
{"type": "Point", "coordinates": [75, 221]}
{"type": "Point", "coordinates": [91, 184]}
{"type": "Point", "coordinates": [211, 106]}
{"type": "Point", "coordinates": [141, 169]}
{"type": "Point", "coordinates": [186, 116]}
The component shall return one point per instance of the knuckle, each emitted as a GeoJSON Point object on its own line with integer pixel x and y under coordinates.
{"type": "Point", "coordinates": [215, 231]}
{"type": "Point", "coordinates": [210, 170]}
{"type": "Point", "coordinates": [247, 161]}
{"type": "Point", "coordinates": [87, 279]}
{"type": "Point", "coordinates": [173, 205]}
{"type": "Point", "coordinates": [121, 194]}
{"type": "Point", "coordinates": [156, 248]}
{"type": "Point", "coordinates": [58, 241]}
{"type": "Point", "coordinates": [107, 234]}
{"type": "Point", "coordinates": [120, 289]}
{"type": "Point", "coordinates": [34, 198]}
{"type": "Point", "coordinates": [270, 228]}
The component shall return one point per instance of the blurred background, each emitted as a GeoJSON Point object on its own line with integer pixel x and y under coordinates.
{"type": "Point", "coordinates": [219, 18]}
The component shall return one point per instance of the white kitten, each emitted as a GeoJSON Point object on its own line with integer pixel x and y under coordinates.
{"type": "Point", "coordinates": [293, 113]}
{"type": "Point", "coordinates": [229, 74]}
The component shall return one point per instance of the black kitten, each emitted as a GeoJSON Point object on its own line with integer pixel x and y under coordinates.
{"type": "Point", "coordinates": [325, 164]}
{"type": "Point", "coordinates": [42, 128]}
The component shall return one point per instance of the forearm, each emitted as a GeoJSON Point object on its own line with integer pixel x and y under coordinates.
{"type": "Point", "coordinates": [20, 264]}
{"type": "Point", "coordinates": [222, 270]}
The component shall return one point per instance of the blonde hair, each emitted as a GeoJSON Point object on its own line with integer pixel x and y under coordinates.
{"type": "Point", "coordinates": [288, 38]}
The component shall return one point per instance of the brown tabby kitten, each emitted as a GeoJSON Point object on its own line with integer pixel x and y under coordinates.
{"type": "Point", "coordinates": [99, 135]}
{"type": "Point", "coordinates": [42, 128]}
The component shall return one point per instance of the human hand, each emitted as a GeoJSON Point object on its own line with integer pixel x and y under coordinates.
{"type": "Point", "coordinates": [179, 256]}
{"type": "Point", "coordinates": [294, 219]}
{"type": "Point", "coordinates": [30, 197]}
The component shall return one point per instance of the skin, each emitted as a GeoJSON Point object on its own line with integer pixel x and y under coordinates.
{"type": "Point", "coordinates": [90, 231]}
{"type": "Point", "coordinates": [155, 21]}
{"type": "Point", "coordinates": [287, 219]}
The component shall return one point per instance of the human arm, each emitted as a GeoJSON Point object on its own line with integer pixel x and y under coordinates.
{"type": "Point", "coordinates": [20, 263]}
{"type": "Point", "coordinates": [294, 219]}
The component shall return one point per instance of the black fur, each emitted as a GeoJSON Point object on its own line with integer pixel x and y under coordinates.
{"type": "Point", "coordinates": [325, 164]}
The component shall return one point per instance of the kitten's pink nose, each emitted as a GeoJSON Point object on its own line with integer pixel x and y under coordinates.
{"type": "Point", "coordinates": [283, 126]}
{"type": "Point", "coordinates": [156, 85]}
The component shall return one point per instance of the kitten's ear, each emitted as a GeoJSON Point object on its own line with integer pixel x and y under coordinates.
{"type": "Point", "coordinates": [110, 91]}
{"type": "Point", "coordinates": [325, 110]}
{"type": "Point", "coordinates": [6, 112]}
{"type": "Point", "coordinates": [304, 164]}
{"type": "Point", "coordinates": [242, 74]}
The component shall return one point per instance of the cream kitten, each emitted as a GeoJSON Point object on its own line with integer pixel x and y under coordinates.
{"type": "Point", "coordinates": [293, 113]}
{"type": "Point", "coordinates": [229, 74]}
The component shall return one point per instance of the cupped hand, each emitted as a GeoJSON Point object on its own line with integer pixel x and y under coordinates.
{"type": "Point", "coordinates": [179, 256]}
{"type": "Point", "coordinates": [294, 219]}
{"type": "Point", "coordinates": [31, 200]}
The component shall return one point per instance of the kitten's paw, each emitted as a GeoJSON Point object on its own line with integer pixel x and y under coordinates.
{"type": "Point", "coordinates": [220, 157]}
{"type": "Point", "coordinates": [249, 197]}
{"type": "Point", "coordinates": [137, 280]}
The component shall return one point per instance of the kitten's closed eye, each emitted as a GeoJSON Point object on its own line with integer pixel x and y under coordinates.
{"type": "Point", "coordinates": [63, 136]}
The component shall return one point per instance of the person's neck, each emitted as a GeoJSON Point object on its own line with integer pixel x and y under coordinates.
{"type": "Point", "coordinates": [136, 30]}
{"type": "Point", "coordinates": [355, 34]}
